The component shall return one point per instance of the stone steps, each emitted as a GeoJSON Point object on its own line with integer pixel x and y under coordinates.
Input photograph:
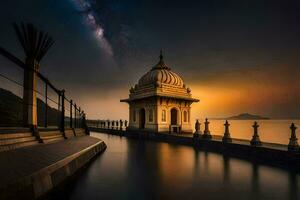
{"type": "Point", "coordinates": [51, 136]}
{"type": "Point", "coordinates": [18, 145]}
{"type": "Point", "coordinates": [10, 140]}
{"type": "Point", "coordinates": [80, 132]}
{"type": "Point", "coordinates": [69, 133]}
{"type": "Point", "coordinates": [50, 139]}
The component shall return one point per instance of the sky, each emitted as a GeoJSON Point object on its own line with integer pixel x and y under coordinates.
{"type": "Point", "coordinates": [237, 56]}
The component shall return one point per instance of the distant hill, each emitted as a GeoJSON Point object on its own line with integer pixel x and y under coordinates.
{"type": "Point", "coordinates": [11, 110]}
{"type": "Point", "coordinates": [246, 116]}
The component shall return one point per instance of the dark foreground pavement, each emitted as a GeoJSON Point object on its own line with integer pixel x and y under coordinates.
{"type": "Point", "coordinates": [31, 172]}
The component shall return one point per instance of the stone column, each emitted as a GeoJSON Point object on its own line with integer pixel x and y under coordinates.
{"type": "Point", "coordinates": [112, 124]}
{"type": "Point", "coordinates": [293, 144]}
{"type": "Point", "coordinates": [29, 94]}
{"type": "Point", "coordinates": [197, 133]}
{"type": "Point", "coordinates": [206, 133]}
{"type": "Point", "coordinates": [255, 138]}
{"type": "Point", "coordinates": [226, 138]}
{"type": "Point", "coordinates": [126, 123]}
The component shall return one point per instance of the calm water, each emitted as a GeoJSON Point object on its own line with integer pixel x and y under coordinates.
{"type": "Point", "coordinates": [274, 131]}
{"type": "Point", "coordinates": [133, 169]}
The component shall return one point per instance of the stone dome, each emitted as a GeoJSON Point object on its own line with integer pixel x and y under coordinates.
{"type": "Point", "coordinates": [161, 74]}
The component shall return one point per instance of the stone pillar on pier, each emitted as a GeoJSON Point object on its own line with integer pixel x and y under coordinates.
{"type": "Point", "coordinates": [206, 133]}
{"type": "Point", "coordinates": [117, 124]}
{"type": "Point", "coordinates": [29, 93]}
{"type": "Point", "coordinates": [197, 133]}
{"type": "Point", "coordinates": [255, 138]}
{"type": "Point", "coordinates": [126, 122]}
{"type": "Point", "coordinates": [293, 144]}
{"type": "Point", "coordinates": [226, 138]}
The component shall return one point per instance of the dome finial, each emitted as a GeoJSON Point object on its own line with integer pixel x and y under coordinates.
{"type": "Point", "coordinates": [161, 55]}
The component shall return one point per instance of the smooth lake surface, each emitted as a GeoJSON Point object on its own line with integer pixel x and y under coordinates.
{"type": "Point", "coordinates": [136, 169]}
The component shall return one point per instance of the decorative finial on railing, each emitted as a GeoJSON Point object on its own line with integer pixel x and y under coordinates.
{"type": "Point", "coordinates": [255, 138]}
{"type": "Point", "coordinates": [293, 144]}
{"type": "Point", "coordinates": [226, 138]}
{"type": "Point", "coordinates": [126, 123]}
{"type": "Point", "coordinates": [206, 133]}
{"type": "Point", "coordinates": [197, 129]}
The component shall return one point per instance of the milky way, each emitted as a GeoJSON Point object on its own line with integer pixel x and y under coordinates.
{"type": "Point", "coordinates": [85, 7]}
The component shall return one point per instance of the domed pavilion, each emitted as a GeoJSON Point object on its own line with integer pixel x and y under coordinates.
{"type": "Point", "coordinates": [160, 102]}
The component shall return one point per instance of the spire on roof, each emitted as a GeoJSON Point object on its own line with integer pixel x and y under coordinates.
{"type": "Point", "coordinates": [161, 55]}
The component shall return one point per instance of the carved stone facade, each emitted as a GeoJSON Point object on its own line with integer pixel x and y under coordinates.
{"type": "Point", "coordinates": [160, 102]}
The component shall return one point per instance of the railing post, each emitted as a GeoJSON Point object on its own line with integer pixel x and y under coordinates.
{"type": "Point", "coordinates": [197, 133]}
{"type": "Point", "coordinates": [226, 138]}
{"type": "Point", "coordinates": [293, 144]}
{"type": "Point", "coordinates": [58, 108]}
{"type": "Point", "coordinates": [206, 133]}
{"type": "Point", "coordinates": [126, 124]}
{"type": "Point", "coordinates": [255, 138]}
{"type": "Point", "coordinates": [79, 117]}
{"type": "Point", "coordinates": [62, 122]}
{"type": "Point", "coordinates": [46, 104]}
{"type": "Point", "coordinates": [121, 124]}
{"type": "Point", "coordinates": [75, 116]}
{"type": "Point", "coordinates": [71, 117]}
{"type": "Point", "coordinates": [108, 124]}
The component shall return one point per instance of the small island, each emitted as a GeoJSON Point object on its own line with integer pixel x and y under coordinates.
{"type": "Point", "coordinates": [246, 116]}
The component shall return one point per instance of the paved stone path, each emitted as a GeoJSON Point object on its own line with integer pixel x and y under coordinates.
{"type": "Point", "coordinates": [21, 162]}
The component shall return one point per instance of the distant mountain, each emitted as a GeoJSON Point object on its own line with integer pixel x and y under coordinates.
{"type": "Point", "coordinates": [11, 110]}
{"type": "Point", "coordinates": [246, 116]}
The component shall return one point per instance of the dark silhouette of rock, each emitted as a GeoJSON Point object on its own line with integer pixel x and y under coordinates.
{"type": "Point", "coordinates": [11, 111]}
{"type": "Point", "coordinates": [246, 116]}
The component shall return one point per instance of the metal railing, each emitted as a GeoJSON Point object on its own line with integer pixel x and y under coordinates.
{"type": "Point", "coordinates": [53, 108]}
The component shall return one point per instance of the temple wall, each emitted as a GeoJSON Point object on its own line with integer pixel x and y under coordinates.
{"type": "Point", "coordinates": [158, 106]}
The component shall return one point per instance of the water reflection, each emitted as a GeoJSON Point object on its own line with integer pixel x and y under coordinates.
{"type": "Point", "coordinates": [133, 169]}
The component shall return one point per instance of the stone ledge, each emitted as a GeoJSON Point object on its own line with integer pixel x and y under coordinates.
{"type": "Point", "coordinates": [42, 181]}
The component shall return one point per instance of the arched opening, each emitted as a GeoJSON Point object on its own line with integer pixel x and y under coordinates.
{"type": "Point", "coordinates": [142, 118]}
{"type": "Point", "coordinates": [173, 116]}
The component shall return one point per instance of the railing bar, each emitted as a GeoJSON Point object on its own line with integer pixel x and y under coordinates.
{"type": "Point", "coordinates": [20, 84]}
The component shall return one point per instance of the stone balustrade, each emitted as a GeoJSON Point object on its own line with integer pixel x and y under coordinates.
{"type": "Point", "coordinates": [121, 125]}
{"type": "Point", "coordinates": [108, 124]}
{"type": "Point", "coordinates": [255, 141]}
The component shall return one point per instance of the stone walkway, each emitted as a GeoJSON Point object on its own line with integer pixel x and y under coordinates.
{"type": "Point", "coordinates": [22, 162]}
